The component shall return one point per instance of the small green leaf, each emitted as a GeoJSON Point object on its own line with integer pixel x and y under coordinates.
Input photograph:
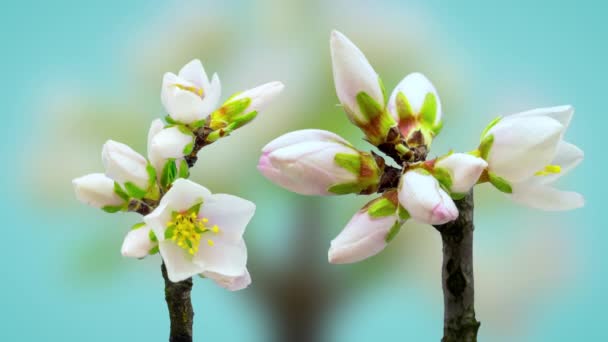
{"type": "Point", "coordinates": [485, 146]}
{"type": "Point", "coordinates": [184, 129]}
{"type": "Point", "coordinates": [345, 188]}
{"type": "Point", "coordinates": [138, 225]}
{"type": "Point", "coordinates": [437, 128]}
{"type": "Point", "coordinates": [152, 236]}
{"type": "Point", "coordinates": [112, 208]}
{"type": "Point", "coordinates": [184, 171]}
{"type": "Point", "coordinates": [404, 109]}
{"type": "Point", "coordinates": [242, 120]}
{"type": "Point", "coordinates": [368, 106]}
{"type": "Point", "coordinates": [489, 126]}
{"type": "Point", "coordinates": [428, 111]}
{"type": "Point", "coordinates": [170, 120]}
{"type": "Point", "coordinates": [134, 191]}
{"type": "Point", "coordinates": [393, 232]}
{"type": "Point", "coordinates": [120, 192]}
{"type": "Point", "coordinates": [349, 162]}
{"type": "Point", "coordinates": [404, 215]}
{"type": "Point", "coordinates": [213, 136]}
{"type": "Point", "coordinates": [169, 232]}
{"type": "Point", "coordinates": [196, 208]}
{"type": "Point", "coordinates": [381, 207]}
{"type": "Point", "coordinates": [153, 250]}
{"type": "Point", "coordinates": [198, 124]}
{"type": "Point", "coordinates": [500, 183]}
{"type": "Point", "coordinates": [169, 173]}
{"type": "Point", "coordinates": [188, 149]}
{"type": "Point", "coordinates": [443, 176]}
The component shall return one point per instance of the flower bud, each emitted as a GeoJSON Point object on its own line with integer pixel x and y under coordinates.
{"type": "Point", "coordinates": [517, 147]}
{"type": "Point", "coordinates": [96, 190]}
{"type": "Point", "coordinates": [137, 243]}
{"type": "Point", "coordinates": [316, 162]}
{"type": "Point", "coordinates": [416, 106]}
{"type": "Point", "coordinates": [124, 165]}
{"type": "Point", "coordinates": [188, 96]}
{"type": "Point", "coordinates": [171, 143]}
{"type": "Point", "coordinates": [244, 107]}
{"type": "Point", "coordinates": [366, 233]}
{"type": "Point", "coordinates": [359, 89]}
{"type": "Point", "coordinates": [426, 202]}
{"type": "Point", "coordinates": [464, 170]}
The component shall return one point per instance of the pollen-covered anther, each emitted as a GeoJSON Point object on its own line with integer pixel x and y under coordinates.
{"type": "Point", "coordinates": [548, 170]}
{"type": "Point", "coordinates": [186, 229]}
{"type": "Point", "coordinates": [198, 91]}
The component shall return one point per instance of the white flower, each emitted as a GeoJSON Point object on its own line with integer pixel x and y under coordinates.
{"type": "Point", "coordinates": [538, 192]}
{"type": "Point", "coordinates": [464, 170]}
{"type": "Point", "coordinates": [308, 162]}
{"type": "Point", "coordinates": [124, 165]}
{"type": "Point", "coordinates": [416, 88]}
{"type": "Point", "coordinates": [352, 75]}
{"type": "Point", "coordinates": [96, 190]}
{"type": "Point", "coordinates": [137, 243]}
{"type": "Point", "coordinates": [421, 195]}
{"type": "Point", "coordinates": [188, 96]}
{"type": "Point", "coordinates": [199, 232]}
{"type": "Point", "coordinates": [522, 145]}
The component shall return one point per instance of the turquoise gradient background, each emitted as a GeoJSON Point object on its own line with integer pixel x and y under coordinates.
{"type": "Point", "coordinates": [79, 73]}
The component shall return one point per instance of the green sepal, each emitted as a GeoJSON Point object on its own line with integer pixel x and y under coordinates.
{"type": "Point", "coordinates": [489, 126]}
{"type": "Point", "coordinates": [395, 229]}
{"type": "Point", "coordinates": [196, 208]}
{"type": "Point", "coordinates": [169, 173]}
{"type": "Point", "coordinates": [134, 191]}
{"type": "Point", "coordinates": [138, 225]}
{"type": "Point", "coordinates": [485, 146]}
{"type": "Point", "coordinates": [153, 250]}
{"type": "Point", "coordinates": [118, 190]}
{"type": "Point", "coordinates": [404, 109]}
{"type": "Point", "coordinates": [346, 188]}
{"type": "Point", "coordinates": [214, 136]}
{"type": "Point", "coordinates": [349, 162]}
{"type": "Point", "coordinates": [381, 207]}
{"type": "Point", "coordinates": [443, 176]}
{"type": "Point", "coordinates": [188, 149]}
{"type": "Point", "coordinates": [152, 236]}
{"type": "Point", "coordinates": [368, 106]}
{"type": "Point", "coordinates": [404, 215]}
{"type": "Point", "coordinates": [233, 96]}
{"type": "Point", "coordinates": [169, 232]}
{"type": "Point", "coordinates": [243, 119]}
{"type": "Point", "coordinates": [184, 171]}
{"type": "Point", "coordinates": [184, 129]}
{"type": "Point", "coordinates": [457, 195]}
{"type": "Point", "coordinates": [500, 183]}
{"type": "Point", "coordinates": [113, 208]}
{"type": "Point", "coordinates": [382, 89]}
{"type": "Point", "coordinates": [152, 191]}
{"type": "Point", "coordinates": [436, 129]}
{"type": "Point", "coordinates": [228, 112]}
{"type": "Point", "coordinates": [170, 121]}
{"type": "Point", "coordinates": [428, 111]}
{"type": "Point", "coordinates": [198, 124]}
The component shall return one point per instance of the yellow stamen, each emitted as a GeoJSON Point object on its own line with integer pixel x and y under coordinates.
{"type": "Point", "coordinates": [192, 89]}
{"type": "Point", "coordinates": [215, 229]}
{"type": "Point", "coordinates": [548, 170]}
{"type": "Point", "coordinates": [185, 229]}
{"type": "Point", "coordinates": [210, 242]}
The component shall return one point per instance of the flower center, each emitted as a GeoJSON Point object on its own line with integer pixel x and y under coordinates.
{"type": "Point", "coordinates": [185, 229]}
{"type": "Point", "coordinates": [195, 90]}
{"type": "Point", "coordinates": [549, 170]}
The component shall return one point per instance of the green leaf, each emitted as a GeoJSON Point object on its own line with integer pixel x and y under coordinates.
{"type": "Point", "coordinates": [120, 192]}
{"type": "Point", "coordinates": [428, 111]}
{"type": "Point", "coordinates": [443, 176]}
{"type": "Point", "coordinates": [169, 173]}
{"type": "Point", "coordinates": [188, 149]}
{"type": "Point", "coordinates": [404, 109]}
{"type": "Point", "coordinates": [381, 207]}
{"type": "Point", "coordinates": [169, 232]}
{"type": "Point", "coordinates": [184, 171]}
{"type": "Point", "coordinates": [489, 126]}
{"type": "Point", "coordinates": [153, 250]}
{"type": "Point", "coordinates": [138, 225]}
{"type": "Point", "coordinates": [134, 191]}
{"type": "Point", "coordinates": [170, 120]}
{"type": "Point", "coordinates": [500, 183]}
{"type": "Point", "coordinates": [196, 208]}
{"type": "Point", "coordinates": [404, 215]}
{"type": "Point", "coordinates": [368, 106]}
{"type": "Point", "coordinates": [395, 229]}
{"type": "Point", "coordinates": [242, 120]}
{"type": "Point", "coordinates": [349, 162]}
{"type": "Point", "coordinates": [345, 188]}
{"type": "Point", "coordinates": [485, 146]}
{"type": "Point", "coordinates": [152, 236]}
{"type": "Point", "coordinates": [112, 208]}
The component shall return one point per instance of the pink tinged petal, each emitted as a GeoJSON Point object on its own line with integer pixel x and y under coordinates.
{"type": "Point", "coordinates": [362, 238]}
{"type": "Point", "coordinates": [227, 256]}
{"type": "Point", "coordinates": [522, 146]}
{"type": "Point", "coordinates": [353, 74]}
{"type": "Point", "coordinates": [421, 195]}
{"type": "Point", "coordinates": [261, 96]}
{"type": "Point", "coordinates": [563, 114]}
{"type": "Point", "coordinates": [230, 213]}
{"type": "Point", "coordinates": [123, 164]}
{"type": "Point", "coordinates": [96, 190]}
{"type": "Point", "coordinates": [170, 143]}
{"type": "Point", "coordinates": [465, 170]}
{"type": "Point", "coordinates": [546, 197]}
{"type": "Point", "coordinates": [194, 72]}
{"type": "Point", "coordinates": [304, 135]}
{"type": "Point", "coordinates": [137, 243]}
{"type": "Point", "coordinates": [415, 87]}
{"type": "Point", "coordinates": [230, 283]}
{"type": "Point", "coordinates": [178, 262]}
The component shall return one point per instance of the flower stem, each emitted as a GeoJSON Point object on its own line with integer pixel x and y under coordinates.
{"type": "Point", "coordinates": [179, 304]}
{"type": "Point", "coordinates": [459, 323]}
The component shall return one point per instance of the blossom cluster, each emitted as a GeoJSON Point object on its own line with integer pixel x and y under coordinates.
{"type": "Point", "coordinates": [195, 231]}
{"type": "Point", "coordinates": [521, 155]}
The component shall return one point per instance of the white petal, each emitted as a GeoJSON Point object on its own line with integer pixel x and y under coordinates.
{"type": "Point", "coordinates": [184, 106]}
{"type": "Point", "coordinates": [546, 197]}
{"type": "Point", "coordinates": [415, 87]}
{"type": "Point", "coordinates": [353, 74]}
{"type": "Point", "coordinates": [211, 98]}
{"type": "Point", "coordinates": [227, 256]}
{"type": "Point", "coordinates": [230, 213]}
{"type": "Point", "coordinates": [137, 243]}
{"type": "Point", "coordinates": [170, 143]}
{"type": "Point", "coordinates": [178, 262]}
{"type": "Point", "coordinates": [155, 159]}
{"type": "Point", "coordinates": [465, 170]}
{"type": "Point", "coordinates": [523, 146]}
{"type": "Point", "coordinates": [303, 135]}
{"type": "Point", "coordinates": [123, 164]}
{"type": "Point", "coordinates": [230, 283]}
{"type": "Point", "coordinates": [184, 194]}
{"type": "Point", "coordinates": [157, 220]}
{"type": "Point", "coordinates": [261, 96]}
{"type": "Point", "coordinates": [421, 195]}
{"type": "Point", "coordinates": [563, 114]}
{"type": "Point", "coordinates": [362, 238]}
{"type": "Point", "coordinates": [194, 72]}
{"type": "Point", "coordinates": [96, 190]}
{"type": "Point", "coordinates": [568, 156]}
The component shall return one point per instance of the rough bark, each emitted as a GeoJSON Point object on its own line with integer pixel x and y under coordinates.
{"type": "Point", "coordinates": [179, 304]}
{"type": "Point", "coordinates": [460, 324]}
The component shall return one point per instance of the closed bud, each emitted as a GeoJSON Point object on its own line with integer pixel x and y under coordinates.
{"type": "Point", "coordinates": [96, 190]}
{"type": "Point", "coordinates": [463, 170]}
{"type": "Point", "coordinates": [124, 165]}
{"type": "Point", "coordinates": [317, 162]}
{"type": "Point", "coordinates": [138, 243]}
{"type": "Point", "coordinates": [424, 199]}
